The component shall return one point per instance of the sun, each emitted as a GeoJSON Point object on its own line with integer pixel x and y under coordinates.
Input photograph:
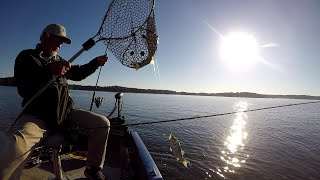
{"type": "Point", "coordinates": [239, 50]}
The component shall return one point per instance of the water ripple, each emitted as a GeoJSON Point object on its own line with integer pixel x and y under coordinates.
{"type": "Point", "coordinates": [278, 143]}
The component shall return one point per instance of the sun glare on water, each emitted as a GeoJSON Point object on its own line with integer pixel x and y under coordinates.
{"type": "Point", "coordinates": [233, 154]}
{"type": "Point", "coordinates": [239, 50]}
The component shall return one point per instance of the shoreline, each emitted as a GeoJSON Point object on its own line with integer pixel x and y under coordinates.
{"type": "Point", "coordinates": [170, 92]}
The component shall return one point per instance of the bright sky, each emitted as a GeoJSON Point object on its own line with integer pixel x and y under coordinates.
{"type": "Point", "coordinates": [282, 37]}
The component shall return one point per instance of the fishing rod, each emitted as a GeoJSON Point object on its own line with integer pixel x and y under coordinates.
{"type": "Point", "coordinates": [95, 88]}
{"type": "Point", "coordinates": [211, 115]}
{"type": "Point", "coordinates": [134, 46]}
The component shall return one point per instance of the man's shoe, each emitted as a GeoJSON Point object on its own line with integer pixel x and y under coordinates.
{"type": "Point", "coordinates": [94, 174]}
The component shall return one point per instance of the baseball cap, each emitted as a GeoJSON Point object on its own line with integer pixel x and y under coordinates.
{"type": "Point", "coordinates": [58, 30]}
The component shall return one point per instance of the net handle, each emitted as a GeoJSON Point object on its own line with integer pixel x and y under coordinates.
{"type": "Point", "coordinates": [85, 47]}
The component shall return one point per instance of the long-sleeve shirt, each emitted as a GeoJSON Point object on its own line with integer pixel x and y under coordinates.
{"type": "Point", "coordinates": [32, 72]}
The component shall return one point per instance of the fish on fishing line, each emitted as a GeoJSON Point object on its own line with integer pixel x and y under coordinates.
{"type": "Point", "coordinates": [175, 148]}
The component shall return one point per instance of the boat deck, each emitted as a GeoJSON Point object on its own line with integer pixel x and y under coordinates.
{"type": "Point", "coordinates": [126, 157]}
{"type": "Point", "coordinates": [72, 167]}
{"type": "Point", "coordinates": [116, 164]}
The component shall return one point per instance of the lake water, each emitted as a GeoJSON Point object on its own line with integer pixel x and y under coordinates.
{"type": "Point", "coordinates": [281, 143]}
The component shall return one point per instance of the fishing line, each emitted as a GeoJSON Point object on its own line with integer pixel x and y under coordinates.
{"type": "Point", "coordinates": [95, 88]}
{"type": "Point", "coordinates": [211, 115]}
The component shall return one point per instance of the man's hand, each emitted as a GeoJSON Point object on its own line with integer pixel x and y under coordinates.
{"type": "Point", "coordinates": [60, 67]}
{"type": "Point", "coordinates": [101, 59]}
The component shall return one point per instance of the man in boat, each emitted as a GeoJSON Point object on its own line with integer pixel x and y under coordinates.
{"type": "Point", "coordinates": [54, 109]}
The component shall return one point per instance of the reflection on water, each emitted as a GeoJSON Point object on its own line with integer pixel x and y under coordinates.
{"type": "Point", "coordinates": [284, 143]}
{"type": "Point", "coordinates": [235, 142]}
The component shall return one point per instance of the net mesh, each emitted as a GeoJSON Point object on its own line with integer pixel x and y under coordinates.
{"type": "Point", "coordinates": [129, 32]}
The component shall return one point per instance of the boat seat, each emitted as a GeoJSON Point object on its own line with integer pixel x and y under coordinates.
{"type": "Point", "coordinates": [54, 142]}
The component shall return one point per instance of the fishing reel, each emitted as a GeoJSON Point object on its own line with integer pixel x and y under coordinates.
{"type": "Point", "coordinates": [98, 101]}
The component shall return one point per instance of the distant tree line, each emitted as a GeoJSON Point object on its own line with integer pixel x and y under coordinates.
{"type": "Point", "coordinates": [9, 81]}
